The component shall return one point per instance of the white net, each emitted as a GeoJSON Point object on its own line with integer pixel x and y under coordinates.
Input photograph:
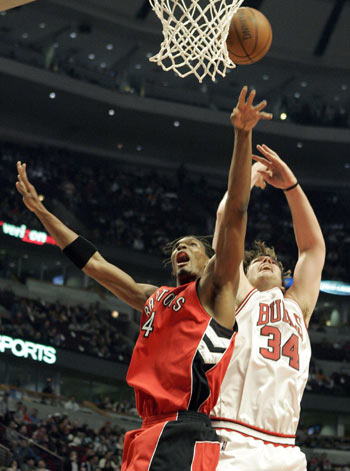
{"type": "Point", "coordinates": [195, 33]}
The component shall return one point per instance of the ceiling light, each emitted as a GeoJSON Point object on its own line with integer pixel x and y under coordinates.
{"type": "Point", "coordinates": [73, 35]}
{"type": "Point", "coordinates": [347, 165]}
{"type": "Point", "coordinates": [109, 47]}
{"type": "Point", "coordinates": [176, 124]}
{"type": "Point", "coordinates": [283, 116]}
{"type": "Point", "coordinates": [52, 95]}
{"type": "Point", "coordinates": [265, 77]}
{"type": "Point", "coordinates": [344, 87]}
{"type": "Point", "coordinates": [303, 84]}
{"type": "Point", "coordinates": [41, 197]}
{"type": "Point", "coordinates": [91, 56]}
{"type": "Point", "coordinates": [111, 112]}
{"type": "Point", "coordinates": [300, 145]}
{"type": "Point", "coordinates": [138, 148]}
{"type": "Point", "coordinates": [115, 314]}
{"type": "Point", "coordinates": [42, 25]}
{"type": "Point", "coordinates": [149, 55]}
{"type": "Point", "coordinates": [297, 94]}
{"type": "Point", "coordinates": [103, 65]}
{"type": "Point", "coordinates": [25, 36]}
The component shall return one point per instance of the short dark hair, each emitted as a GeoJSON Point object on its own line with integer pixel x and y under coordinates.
{"type": "Point", "coordinates": [260, 249]}
{"type": "Point", "coordinates": [169, 247]}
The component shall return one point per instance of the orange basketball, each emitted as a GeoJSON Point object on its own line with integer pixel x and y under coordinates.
{"type": "Point", "coordinates": [250, 36]}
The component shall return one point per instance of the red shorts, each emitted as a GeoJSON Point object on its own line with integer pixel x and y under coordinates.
{"type": "Point", "coordinates": [185, 441]}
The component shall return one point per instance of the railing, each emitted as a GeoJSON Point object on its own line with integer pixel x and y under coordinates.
{"type": "Point", "coordinates": [5, 456]}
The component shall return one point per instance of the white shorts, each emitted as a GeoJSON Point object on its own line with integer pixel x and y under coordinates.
{"type": "Point", "coordinates": [241, 453]}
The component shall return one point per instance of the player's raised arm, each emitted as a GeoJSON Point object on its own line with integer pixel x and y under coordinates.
{"type": "Point", "coordinates": [222, 275]}
{"type": "Point", "coordinates": [308, 234]}
{"type": "Point", "coordinates": [81, 252]}
{"type": "Point", "coordinates": [257, 180]}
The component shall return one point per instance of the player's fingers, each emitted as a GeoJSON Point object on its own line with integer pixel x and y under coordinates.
{"type": "Point", "coordinates": [251, 97]}
{"type": "Point", "coordinates": [270, 151]}
{"type": "Point", "coordinates": [242, 95]}
{"type": "Point", "coordinates": [27, 184]}
{"type": "Point", "coordinates": [266, 175]}
{"type": "Point", "coordinates": [264, 115]}
{"type": "Point", "coordinates": [20, 188]}
{"type": "Point", "coordinates": [21, 171]}
{"type": "Point", "coordinates": [261, 184]}
{"type": "Point", "coordinates": [267, 152]}
{"type": "Point", "coordinates": [260, 105]}
{"type": "Point", "coordinates": [262, 160]}
{"type": "Point", "coordinates": [235, 113]}
{"type": "Point", "coordinates": [24, 167]}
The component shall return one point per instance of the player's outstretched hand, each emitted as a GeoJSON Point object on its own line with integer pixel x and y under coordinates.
{"type": "Point", "coordinates": [258, 179]}
{"type": "Point", "coordinates": [27, 190]}
{"type": "Point", "coordinates": [277, 172]}
{"type": "Point", "coordinates": [246, 115]}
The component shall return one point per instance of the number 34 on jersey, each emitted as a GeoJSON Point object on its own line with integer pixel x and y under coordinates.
{"type": "Point", "coordinates": [273, 319]}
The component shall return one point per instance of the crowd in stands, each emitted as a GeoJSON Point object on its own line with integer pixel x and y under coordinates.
{"type": "Point", "coordinates": [309, 110]}
{"type": "Point", "coordinates": [88, 330]}
{"type": "Point", "coordinates": [332, 351]}
{"type": "Point", "coordinates": [338, 383]}
{"type": "Point", "coordinates": [320, 462]}
{"type": "Point", "coordinates": [310, 438]}
{"type": "Point", "coordinates": [34, 442]}
{"type": "Point", "coordinates": [142, 209]}
{"type": "Point", "coordinates": [315, 111]}
{"type": "Point", "coordinates": [56, 443]}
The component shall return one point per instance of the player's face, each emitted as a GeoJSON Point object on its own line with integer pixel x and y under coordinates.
{"type": "Point", "coordinates": [264, 273]}
{"type": "Point", "coordinates": [188, 260]}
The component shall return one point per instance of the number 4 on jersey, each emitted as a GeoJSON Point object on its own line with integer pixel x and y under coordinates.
{"type": "Point", "coordinates": [148, 325]}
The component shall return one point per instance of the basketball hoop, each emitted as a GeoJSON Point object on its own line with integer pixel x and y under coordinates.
{"type": "Point", "coordinates": [195, 33]}
{"type": "Point", "coordinates": [7, 4]}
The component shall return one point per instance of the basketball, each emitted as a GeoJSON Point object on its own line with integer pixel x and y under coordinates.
{"type": "Point", "coordinates": [249, 37]}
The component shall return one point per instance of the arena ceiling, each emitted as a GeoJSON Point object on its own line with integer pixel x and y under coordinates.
{"type": "Point", "coordinates": [309, 56]}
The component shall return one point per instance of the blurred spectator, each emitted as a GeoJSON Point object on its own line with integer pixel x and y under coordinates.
{"type": "Point", "coordinates": [48, 389]}
{"type": "Point", "coordinates": [4, 408]}
{"type": "Point", "coordinates": [33, 416]}
{"type": "Point", "coordinates": [72, 404]}
{"type": "Point", "coordinates": [41, 466]}
{"type": "Point", "coordinates": [13, 466]}
{"type": "Point", "coordinates": [71, 464]}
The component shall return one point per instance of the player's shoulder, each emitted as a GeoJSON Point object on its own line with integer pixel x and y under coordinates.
{"type": "Point", "coordinates": [245, 291]}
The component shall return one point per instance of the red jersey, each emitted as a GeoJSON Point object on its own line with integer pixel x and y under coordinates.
{"type": "Point", "coordinates": [181, 355]}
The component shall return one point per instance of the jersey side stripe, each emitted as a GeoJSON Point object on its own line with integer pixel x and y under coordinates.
{"type": "Point", "coordinates": [215, 340]}
{"type": "Point", "coordinates": [211, 346]}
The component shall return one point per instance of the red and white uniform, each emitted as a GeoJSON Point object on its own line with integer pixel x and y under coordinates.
{"type": "Point", "coordinates": [259, 402]}
{"type": "Point", "coordinates": [177, 367]}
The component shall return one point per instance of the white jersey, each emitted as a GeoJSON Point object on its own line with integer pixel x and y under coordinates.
{"type": "Point", "coordinates": [263, 386]}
